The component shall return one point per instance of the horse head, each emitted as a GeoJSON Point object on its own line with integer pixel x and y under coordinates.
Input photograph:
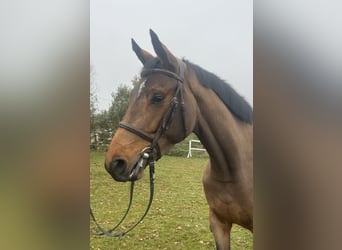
{"type": "Point", "coordinates": [161, 113]}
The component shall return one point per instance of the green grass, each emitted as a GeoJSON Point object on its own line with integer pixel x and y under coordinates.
{"type": "Point", "coordinates": [178, 218]}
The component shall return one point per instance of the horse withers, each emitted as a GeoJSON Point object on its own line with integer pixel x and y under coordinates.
{"type": "Point", "coordinates": [174, 98]}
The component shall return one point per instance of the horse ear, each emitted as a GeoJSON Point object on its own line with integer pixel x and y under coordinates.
{"type": "Point", "coordinates": [167, 58]}
{"type": "Point", "coordinates": [143, 55]}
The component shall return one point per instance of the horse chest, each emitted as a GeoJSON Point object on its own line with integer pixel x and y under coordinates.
{"type": "Point", "coordinates": [224, 199]}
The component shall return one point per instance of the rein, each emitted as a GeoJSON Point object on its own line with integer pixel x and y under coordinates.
{"type": "Point", "coordinates": [147, 153]}
{"type": "Point", "coordinates": [121, 234]}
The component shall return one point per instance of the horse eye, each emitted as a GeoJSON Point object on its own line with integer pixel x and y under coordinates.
{"type": "Point", "coordinates": [157, 98]}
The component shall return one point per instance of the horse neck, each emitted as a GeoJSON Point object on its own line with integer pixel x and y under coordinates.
{"type": "Point", "coordinates": [227, 140]}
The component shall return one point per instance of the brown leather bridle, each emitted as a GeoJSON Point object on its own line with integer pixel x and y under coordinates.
{"type": "Point", "coordinates": [177, 100]}
{"type": "Point", "coordinates": [146, 155]}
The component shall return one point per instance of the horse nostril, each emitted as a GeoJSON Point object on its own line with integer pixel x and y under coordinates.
{"type": "Point", "coordinates": [118, 163]}
{"type": "Point", "coordinates": [117, 167]}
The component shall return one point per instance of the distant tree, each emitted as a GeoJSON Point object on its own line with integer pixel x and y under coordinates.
{"type": "Point", "coordinates": [104, 123]}
{"type": "Point", "coordinates": [92, 91]}
{"type": "Point", "coordinates": [104, 131]}
{"type": "Point", "coordinates": [135, 81]}
{"type": "Point", "coordinates": [119, 105]}
{"type": "Point", "coordinates": [93, 108]}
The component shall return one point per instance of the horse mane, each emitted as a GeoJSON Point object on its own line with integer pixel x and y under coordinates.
{"type": "Point", "coordinates": [235, 103]}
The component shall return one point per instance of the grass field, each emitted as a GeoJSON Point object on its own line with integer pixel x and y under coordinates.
{"type": "Point", "coordinates": [178, 218]}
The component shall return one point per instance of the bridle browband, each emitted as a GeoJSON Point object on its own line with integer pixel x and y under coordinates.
{"type": "Point", "coordinates": [146, 155]}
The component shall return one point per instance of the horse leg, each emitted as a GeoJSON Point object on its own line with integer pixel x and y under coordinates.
{"type": "Point", "coordinates": [221, 231]}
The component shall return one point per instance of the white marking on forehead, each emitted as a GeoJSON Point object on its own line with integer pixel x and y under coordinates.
{"type": "Point", "coordinates": [141, 87]}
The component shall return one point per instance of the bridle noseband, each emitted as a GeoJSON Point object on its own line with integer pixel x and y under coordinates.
{"type": "Point", "coordinates": [146, 155]}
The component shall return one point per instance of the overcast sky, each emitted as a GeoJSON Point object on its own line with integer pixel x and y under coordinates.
{"type": "Point", "coordinates": [216, 35]}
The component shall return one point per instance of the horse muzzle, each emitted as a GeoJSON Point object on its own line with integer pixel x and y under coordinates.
{"type": "Point", "coordinates": [117, 168]}
{"type": "Point", "coordinates": [120, 172]}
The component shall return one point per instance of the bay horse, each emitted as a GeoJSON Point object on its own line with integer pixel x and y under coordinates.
{"type": "Point", "coordinates": [174, 98]}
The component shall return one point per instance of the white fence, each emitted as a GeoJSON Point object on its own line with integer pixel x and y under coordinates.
{"type": "Point", "coordinates": [191, 147]}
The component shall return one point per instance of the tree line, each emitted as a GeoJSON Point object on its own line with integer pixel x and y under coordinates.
{"type": "Point", "coordinates": [104, 123]}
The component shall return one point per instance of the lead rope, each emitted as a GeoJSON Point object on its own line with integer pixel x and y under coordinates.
{"type": "Point", "coordinates": [121, 234]}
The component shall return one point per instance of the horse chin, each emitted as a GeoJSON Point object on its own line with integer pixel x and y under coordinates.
{"type": "Point", "coordinates": [120, 178]}
{"type": "Point", "coordinates": [138, 176]}
{"type": "Point", "coordinates": [137, 173]}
